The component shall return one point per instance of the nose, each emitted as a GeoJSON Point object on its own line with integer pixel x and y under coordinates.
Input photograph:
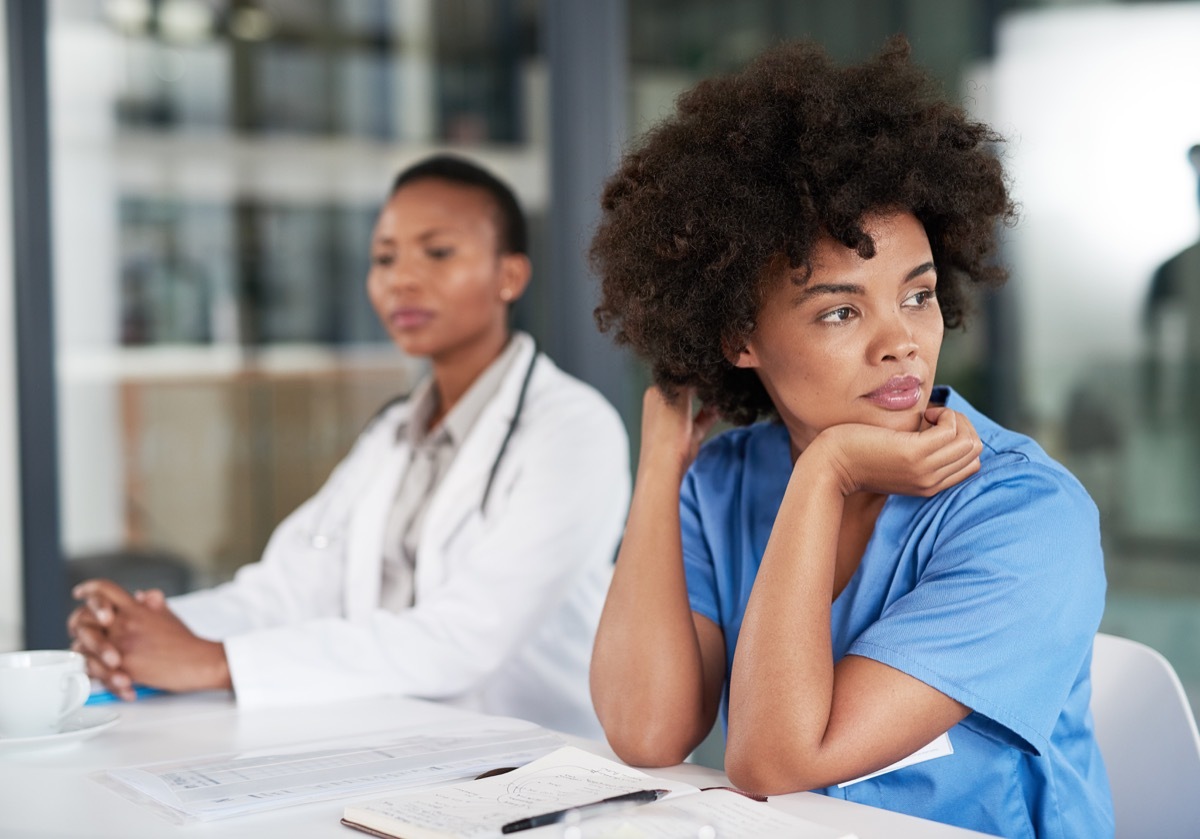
{"type": "Point", "coordinates": [398, 275]}
{"type": "Point", "coordinates": [893, 339]}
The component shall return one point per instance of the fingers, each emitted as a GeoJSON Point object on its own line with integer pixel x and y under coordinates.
{"type": "Point", "coordinates": [93, 641]}
{"type": "Point", "coordinates": [944, 453]}
{"type": "Point", "coordinates": [703, 422]}
{"type": "Point", "coordinates": [681, 402]}
{"type": "Point", "coordinates": [948, 420]}
{"type": "Point", "coordinates": [152, 599]}
{"type": "Point", "coordinates": [955, 474]}
{"type": "Point", "coordinates": [103, 598]}
{"type": "Point", "coordinates": [114, 680]}
{"type": "Point", "coordinates": [101, 657]}
{"type": "Point", "coordinates": [81, 616]}
{"type": "Point", "coordinates": [92, 627]}
{"type": "Point", "coordinates": [949, 428]}
{"type": "Point", "coordinates": [966, 440]}
{"type": "Point", "coordinates": [957, 458]}
{"type": "Point", "coordinates": [103, 593]}
{"type": "Point", "coordinates": [671, 431]}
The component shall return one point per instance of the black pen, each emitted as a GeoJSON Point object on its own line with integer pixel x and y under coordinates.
{"type": "Point", "coordinates": [641, 796]}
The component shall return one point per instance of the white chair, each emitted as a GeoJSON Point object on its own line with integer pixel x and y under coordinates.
{"type": "Point", "coordinates": [1148, 737]}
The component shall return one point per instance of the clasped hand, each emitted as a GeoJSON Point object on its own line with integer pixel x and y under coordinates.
{"type": "Point", "coordinates": [127, 638]}
{"type": "Point", "coordinates": [862, 457]}
{"type": "Point", "coordinates": [867, 458]}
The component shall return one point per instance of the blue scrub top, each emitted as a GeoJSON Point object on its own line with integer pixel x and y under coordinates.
{"type": "Point", "coordinates": [990, 591]}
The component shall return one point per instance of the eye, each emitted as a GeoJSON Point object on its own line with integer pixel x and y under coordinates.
{"type": "Point", "coordinates": [920, 299]}
{"type": "Point", "coordinates": [382, 260]}
{"type": "Point", "coordinates": [439, 253]}
{"type": "Point", "coordinates": [838, 315]}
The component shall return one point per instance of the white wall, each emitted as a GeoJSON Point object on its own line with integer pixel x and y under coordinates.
{"type": "Point", "coordinates": [10, 498]}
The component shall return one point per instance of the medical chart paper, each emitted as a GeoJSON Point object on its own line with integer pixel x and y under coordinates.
{"type": "Point", "coordinates": [570, 777]}
{"type": "Point", "coordinates": [233, 784]}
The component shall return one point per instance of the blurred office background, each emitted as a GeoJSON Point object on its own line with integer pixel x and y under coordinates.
{"type": "Point", "coordinates": [194, 349]}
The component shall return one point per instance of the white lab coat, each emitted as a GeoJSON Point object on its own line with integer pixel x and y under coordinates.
{"type": "Point", "coordinates": [506, 602]}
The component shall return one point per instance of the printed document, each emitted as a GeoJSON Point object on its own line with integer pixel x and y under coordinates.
{"type": "Point", "coordinates": [224, 785]}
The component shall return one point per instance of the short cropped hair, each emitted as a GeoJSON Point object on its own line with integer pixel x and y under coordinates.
{"type": "Point", "coordinates": [511, 230]}
{"type": "Point", "coordinates": [754, 168]}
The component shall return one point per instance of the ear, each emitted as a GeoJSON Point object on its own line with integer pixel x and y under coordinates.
{"type": "Point", "coordinates": [743, 356]}
{"type": "Point", "coordinates": [515, 270]}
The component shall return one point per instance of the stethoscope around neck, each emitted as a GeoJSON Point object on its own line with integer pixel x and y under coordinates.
{"type": "Point", "coordinates": [512, 427]}
{"type": "Point", "coordinates": [319, 537]}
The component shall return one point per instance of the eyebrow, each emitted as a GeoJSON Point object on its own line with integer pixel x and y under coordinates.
{"type": "Point", "coordinates": [432, 233]}
{"type": "Point", "coordinates": [809, 292]}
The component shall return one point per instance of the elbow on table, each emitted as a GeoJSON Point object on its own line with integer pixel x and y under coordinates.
{"type": "Point", "coordinates": [765, 771]}
{"type": "Point", "coordinates": [648, 745]}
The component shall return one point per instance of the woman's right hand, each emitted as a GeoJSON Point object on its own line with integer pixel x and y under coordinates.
{"type": "Point", "coordinates": [922, 463]}
{"type": "Point", "coordinates": [671, 433]}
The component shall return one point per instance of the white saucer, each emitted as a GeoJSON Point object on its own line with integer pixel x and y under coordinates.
{"type": "Point", "coordinates": [84, 723]}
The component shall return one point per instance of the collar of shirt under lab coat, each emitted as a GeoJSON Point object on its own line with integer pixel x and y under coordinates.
{"type": "Point", "coordinates": [431, 453]}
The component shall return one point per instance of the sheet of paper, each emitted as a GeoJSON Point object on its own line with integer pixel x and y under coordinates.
{"type": "Point", "coordinates": [722, 814]}
{"type": "Point", "coordinates": [570, 776]}
{"type": "Point", "coordinates": [220, 786]}
{"type": "Point", "coordinates": [940, 747]}
{"type": "Point", "coordinates": [566, 778]}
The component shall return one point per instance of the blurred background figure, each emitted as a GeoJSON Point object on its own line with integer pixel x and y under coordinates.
{"type": "Point", "coordinates": [1172, 334]}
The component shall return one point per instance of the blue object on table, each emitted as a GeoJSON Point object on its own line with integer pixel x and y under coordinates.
{"type": "Point", "coordinates": [104, 696]}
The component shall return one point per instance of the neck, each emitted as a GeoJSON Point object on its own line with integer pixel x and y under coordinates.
{"type": "Point", "coordinates": [456, 370]}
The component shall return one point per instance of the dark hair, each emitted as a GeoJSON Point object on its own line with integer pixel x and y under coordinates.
{"type": "Point", "coordinates": [511, 234]}
{"type": "Point", "coordinates": [755, 167]}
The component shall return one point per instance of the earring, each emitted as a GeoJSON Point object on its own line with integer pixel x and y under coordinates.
{"type": "Point", "coordinates": [505, 294]}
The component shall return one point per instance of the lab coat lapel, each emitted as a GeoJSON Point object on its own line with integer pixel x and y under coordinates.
{"type": "Point", "coordinates": [459, 494]}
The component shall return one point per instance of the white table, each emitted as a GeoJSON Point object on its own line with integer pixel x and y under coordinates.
{"type": "Point", "coordinates": [46, 792]}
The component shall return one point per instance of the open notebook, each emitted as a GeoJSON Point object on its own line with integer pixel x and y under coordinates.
{"type": "Point", "coordinates": [567, 778]}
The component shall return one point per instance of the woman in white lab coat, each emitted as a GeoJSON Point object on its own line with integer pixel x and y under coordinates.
{"type": "Point", "coordinates": [485, 591]}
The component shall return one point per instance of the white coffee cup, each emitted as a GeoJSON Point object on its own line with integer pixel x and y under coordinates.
{"type": "Point", "coordinates": [39, 689]}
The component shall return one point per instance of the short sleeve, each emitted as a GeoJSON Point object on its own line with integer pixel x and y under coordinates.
{"type": "Point", "coordinates": [1006, 607]}
{"type": "Point", "coordinates": [697, 555]}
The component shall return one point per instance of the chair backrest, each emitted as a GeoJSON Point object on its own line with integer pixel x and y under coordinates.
{"type": "Point", "coordinates": [1148, 737]}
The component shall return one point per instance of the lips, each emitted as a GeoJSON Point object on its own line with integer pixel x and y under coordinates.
{"type": "Point", "coordinates": [899, 393]}
{"type": "Point", "coordinates": [407, 318]}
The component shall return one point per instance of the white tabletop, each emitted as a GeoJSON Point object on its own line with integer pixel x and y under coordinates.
{"type": "Point", "coordinates": [46, 791]}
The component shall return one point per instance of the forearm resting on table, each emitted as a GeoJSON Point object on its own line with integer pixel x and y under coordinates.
{"type": "Point", "coordinates": [647, 672]}
{"type": "Point", "coordinates": [795, 721]}
{"type": "Point", "coordinates": [781, 687]}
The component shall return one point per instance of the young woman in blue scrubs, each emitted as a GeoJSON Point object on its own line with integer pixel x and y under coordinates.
{"type": "Point", "coordinates": [878, 580]}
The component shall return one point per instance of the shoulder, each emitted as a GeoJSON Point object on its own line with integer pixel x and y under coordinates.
{"type": "Point", "coordinates": [1011, 459]}
{"type": "Point", "coordinates": [558, 403]}
{"type": "Point", "coordinates": [1022, 506]}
